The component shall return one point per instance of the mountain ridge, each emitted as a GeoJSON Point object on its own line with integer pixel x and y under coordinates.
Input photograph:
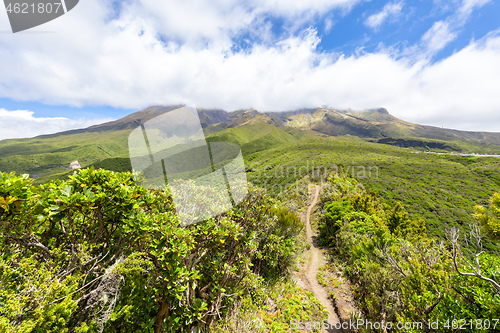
{"type": "Point", "coordinates": [373, 123]}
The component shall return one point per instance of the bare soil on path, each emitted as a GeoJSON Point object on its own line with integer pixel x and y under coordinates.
{"type": "Point", "coordinates": [316, 260]}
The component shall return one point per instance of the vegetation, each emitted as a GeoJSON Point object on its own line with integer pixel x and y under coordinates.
{"type": "Point", "coordinates": [416, 233]}
{"type": "Point", "coordinates": [442, 189]}
{"type": "Point", "coordinates": [98, 253]}
{"type": "Point", "coordinates": [399, 274]}
{"type": "Point", "coordinates": [273, 311]}
{"type": "Point", "coordinates": [47, 157]}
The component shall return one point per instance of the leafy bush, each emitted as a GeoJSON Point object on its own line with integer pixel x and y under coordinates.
{"type": "Point", "coordinates": [98, 252]}
{"type": "Point", "coordinates": [401, 275]}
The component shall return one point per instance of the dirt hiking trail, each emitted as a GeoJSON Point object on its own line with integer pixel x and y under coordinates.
{"type": "Point", "coordinates": [316, 260]}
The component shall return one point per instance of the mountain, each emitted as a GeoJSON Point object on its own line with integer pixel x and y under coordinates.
{"type": "Point", "coordinates": [279, 148]}
{"type": "Point", "coordinates": [375, 124]}
{"type": "Point", "coordinates": [106, 146]}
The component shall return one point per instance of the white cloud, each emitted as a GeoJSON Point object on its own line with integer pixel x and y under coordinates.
{"type": "Point", "coordinates": [444, 32]}
{"type": "Point", "coordinates": [469, 5]}
{"type": "Point", "coordinates": [123, 62]}
{"type": "Point", "coordinates": [460, 91]}
{"type": "Point", "coordinates": [444, 6]}
{"type": "Point", "coordinates": [438, 36]}
{"type": "Point", "coordinates": [22, 124]}
{"type": "Point", "coordinates": [328, 24]}
{"type": "Point", "coordinates": [390, 11]}
{"type": "Point", "coordinates": [198, 22]}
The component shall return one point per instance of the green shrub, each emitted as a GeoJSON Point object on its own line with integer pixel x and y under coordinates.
{"type": "Point", "coordinates": [99, 253]}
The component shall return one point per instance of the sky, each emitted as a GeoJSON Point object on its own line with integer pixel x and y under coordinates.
{"type": "Point", "coordinates": [434, 62]}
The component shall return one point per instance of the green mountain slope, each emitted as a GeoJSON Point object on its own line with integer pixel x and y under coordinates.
{"type": "Point", "coordinates": [376, 123]}
{"type": "Point", "coordinates": [442, 189]}
{"type": "Point", "coordinates": [279, 148]}
{"type": "Point", "coordinates": [49, 156]}
{"type": "Point", "coordinates": [259, 136]}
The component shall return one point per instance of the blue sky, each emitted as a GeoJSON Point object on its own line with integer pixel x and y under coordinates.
{"type": "Point", "coordinates": [429, 62]}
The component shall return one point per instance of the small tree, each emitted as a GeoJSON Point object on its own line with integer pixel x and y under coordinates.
{"type": "Point", "coordinates": [489, 218]}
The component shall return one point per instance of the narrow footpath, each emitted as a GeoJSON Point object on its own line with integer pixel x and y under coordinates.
{"type": "Point", "coordinates": [315, 262]}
